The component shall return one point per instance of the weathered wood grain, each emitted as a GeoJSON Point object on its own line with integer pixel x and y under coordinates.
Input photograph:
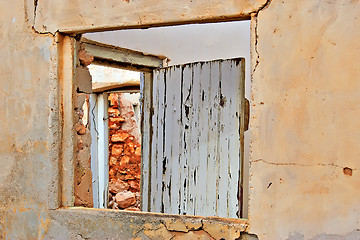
{"type": "Point", "coordinates": [196, 145]}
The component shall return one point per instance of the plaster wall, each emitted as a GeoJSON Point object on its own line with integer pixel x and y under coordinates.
{"type": "Point", "coordinates": [304, 122]}
{"type": "Point", "coordinates": [29, 124]}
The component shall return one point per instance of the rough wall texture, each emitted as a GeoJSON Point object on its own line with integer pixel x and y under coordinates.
{"type": "Point", "coordinates": [124, 155]}
{"type": "Point", "coordinates": [28, 124]}
{"type": "Point", "coordinates": [304, 122]}
{"type": "Point", "coordinates": [80, 224]}
{"type": "Point", "coordinates": [79, 16]}
{"type": "Point", "coordinates": [82, 162]}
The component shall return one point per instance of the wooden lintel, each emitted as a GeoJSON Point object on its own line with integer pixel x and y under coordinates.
{"type": "Point", "coordinates": [113, 54]}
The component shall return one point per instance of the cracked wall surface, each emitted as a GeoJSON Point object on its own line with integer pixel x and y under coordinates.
{"type": "Point", "coordinates": [78, 15]}
{"type": "Point", "coordinates": [304, 120]}
{"type": "Point", "coordinates": [305, 95]}
{"type": "Point", "coordinates": [70, 223]}
{"type": "Point", "coordinates": [28, 124]}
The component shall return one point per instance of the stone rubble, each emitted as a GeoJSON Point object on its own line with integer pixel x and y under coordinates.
{"type": "Point", "coordinates": [124, 155]}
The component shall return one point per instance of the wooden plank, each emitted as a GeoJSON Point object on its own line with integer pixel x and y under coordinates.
{"type": "Point", "coordinates": [213, 140]}
{"type": "Point", "coordinates": [167, 120]}
{"type": "Point", "coordinates": [185, 137]}
{"type": "Point", "coordinates": [65, 15]}
{"type": "Point", "coordinates": [125, 56]}
{"type": "Point", "coordinates": [146, 139]}
{"type": "Point", "coordinates": [161, 161]}
{"type": "Point", "coordinates": [176, 139]}
{"type": "Point", "coordinates": [193, 170]}
{"type": "Point", "coordinates": [199, 136]}
{"type": "Point", "coordinates": [103, 154]}
{"type": "Point", "coordinates": [234, 91]}
{"type": "Point", "coordinates": [154, 145]}
{"type": "Point", "coordinates": [202, 188]}
{"type": "Point", "coordinates": [223, 153]}
{"type": "Point", "coordinates": [94, 149]}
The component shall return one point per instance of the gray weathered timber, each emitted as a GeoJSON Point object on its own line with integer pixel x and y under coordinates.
{"type": "Point", "coordinates": [146, 105]}
{"type": "Point", "coordinates": [196, 153]}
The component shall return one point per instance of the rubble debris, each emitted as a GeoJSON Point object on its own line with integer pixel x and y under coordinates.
{"type": "Point", "coordinates": [125, 199]}
{"type": "Point", "coordinates": [124, 155]}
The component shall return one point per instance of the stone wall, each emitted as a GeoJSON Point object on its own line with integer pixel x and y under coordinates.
{"type": "Point", "coordinates": [124, 155]}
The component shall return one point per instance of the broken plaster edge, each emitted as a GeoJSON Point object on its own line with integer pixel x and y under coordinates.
{"type": "Point", "coordinates": [111, 212]}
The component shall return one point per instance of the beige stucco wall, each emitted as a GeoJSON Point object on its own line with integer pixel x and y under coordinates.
{"type": "Point", "coordinates": [304, 121]}
{"type": "Point", "coordinates": [28, 124]}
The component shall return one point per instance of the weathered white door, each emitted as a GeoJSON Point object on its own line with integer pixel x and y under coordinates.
{"type": "Point", "coordinates": [194, 124]}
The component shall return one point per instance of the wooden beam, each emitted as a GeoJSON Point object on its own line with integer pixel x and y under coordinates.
{"type": "Point", "coordinates": [112, 54]}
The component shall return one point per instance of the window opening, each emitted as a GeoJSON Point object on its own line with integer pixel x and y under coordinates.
{"type": "Point", "coordinates": [211, 44]}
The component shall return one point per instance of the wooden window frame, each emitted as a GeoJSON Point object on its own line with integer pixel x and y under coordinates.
{"type": "Point", "coordinates": [110, 56]}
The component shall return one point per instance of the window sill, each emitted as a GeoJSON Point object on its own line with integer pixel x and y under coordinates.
{"type": "Point", "coordinates": [88, 223]}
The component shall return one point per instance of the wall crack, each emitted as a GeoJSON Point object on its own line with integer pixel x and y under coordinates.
{"type": "Point", "coordinates": [254, 15]}
{"type": "Point", "coordinates": [300, 165]}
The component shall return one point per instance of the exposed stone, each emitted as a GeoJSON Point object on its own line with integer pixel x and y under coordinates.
{"type": "Point", "coordinates": [125, 152]}
{"type": "Point", "coordinates": [112, 173]}
{"type": "Point", "coordinates": [138, 151]}
{"type": "Point", "coordinates": [113, 161]}
{"type": "Point", "coordinates": [114, 125]}
{"type": "Point", "coordinates": [134, 185]}
{"type": "Point", "coordinates": [125, 199]}
{"type": "Point", "coordinates": [80, 129]}
{"type": "Point", "coordinates": [117, 150]}
{"type": "Point", "coordinates": [118, 119]}
{"type": "Point", "coordinates": [124, 160]}
{"type": "Point", "coordinates": [119, 137]}
{"type": "Point", "coordinates": [113, 112]}
{"type": "Point", "coordinates": [132, 209]}
{"type": "Point", "coordinates": [85, 57]}
{"type": "Point", "coordinates": [118, 185]}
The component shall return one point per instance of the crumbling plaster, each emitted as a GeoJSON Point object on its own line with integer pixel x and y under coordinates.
{"type": "Point", "coordinates": [28, 124]}
{"type": "Point", "coordinates": [70, 223]}
{"type": "Point", "coordinates": [304, 112]}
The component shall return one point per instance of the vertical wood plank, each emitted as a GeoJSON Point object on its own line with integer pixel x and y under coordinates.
{"type": "Point", "coordinates": [154, 145]}
{"type": "Point", "coordinates": [160, 160]}
{"type": "Point", "coordinates": [223, 160]}
{"type": "Point", "coordinates": [168, 119]}
{"type": "Point", "coordinates": [204, 81]}
{"type": "Point", "coordinates": [175, 82]}
{"type": "Point", "coordinates": [103, 154]}
{"type": "Point", "coordinates": [234, 89]}
{"type": "Point", "coordinates": [146, 139]}
{"type": "Point", "coordinates": [185, 129]}
{"type": "Point", "coordinates": [196, 149]}
{"type": "Point", "coordinates": [194, 186]}
{"type": "Point", "coordinates": [94, 149]}
{"type": "Point", "coordinates": [213, 140]}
